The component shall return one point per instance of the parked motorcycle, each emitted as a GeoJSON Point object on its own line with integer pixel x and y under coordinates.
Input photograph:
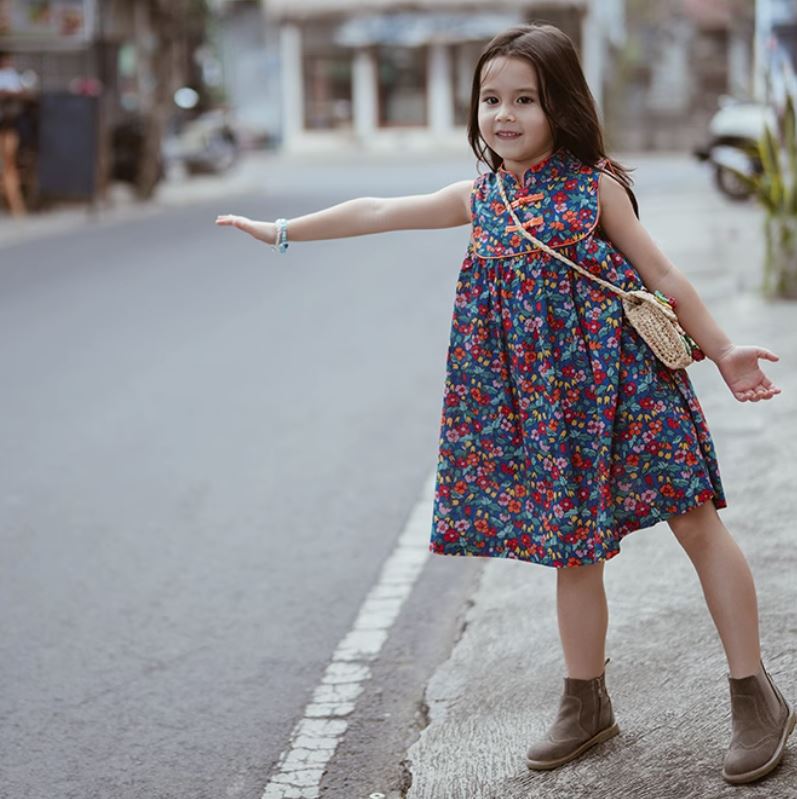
{"type": "Point", "coordinates": [204, 142]}
{"type": "Point", "coordinates": [207, 144]}
{"type": "Point", "coordinates": [733, 144]}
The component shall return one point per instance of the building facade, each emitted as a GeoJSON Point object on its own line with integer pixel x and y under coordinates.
{"type": "Point", "coordinates": [378, 75]}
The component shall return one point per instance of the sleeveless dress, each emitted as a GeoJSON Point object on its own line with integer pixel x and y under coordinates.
{"type": "Point", "coordinates": [561, 432]}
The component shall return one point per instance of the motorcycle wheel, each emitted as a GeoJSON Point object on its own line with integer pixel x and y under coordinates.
{"type": "Point", "coordinates": [730, 185]}
{"type": "Point", "coordinates": [221, 152]}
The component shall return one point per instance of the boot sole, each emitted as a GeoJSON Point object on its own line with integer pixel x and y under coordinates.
{"type": "Point", "coordinates": [603, 735]}
{"type": "Point", "coordinates": [771, 764]}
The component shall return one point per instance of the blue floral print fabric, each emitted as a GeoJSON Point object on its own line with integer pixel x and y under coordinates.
{"type": "Point", "coordinates": [561, 432]}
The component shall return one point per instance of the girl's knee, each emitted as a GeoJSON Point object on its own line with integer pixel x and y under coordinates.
{"type": "Point", "coordinates": [691, 524]}
{"type": "Point", "coordinates": [591, 571]}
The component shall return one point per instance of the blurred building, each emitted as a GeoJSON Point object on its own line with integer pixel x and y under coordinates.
{"type": "Point", "coordinates": [775, 51]}
{"type": "Point", "coordinates": [65, 51]}
{"type": "Point", "coordinates": [382, 75]}
{"type": "Point", "coordinates": [680, 57]}
{"type": "Point", "coordinates": [105, 71]}
{"type": "Point", "coordinates": [248, 45]}
{"type": "Point", "coordinates": [57, 42]}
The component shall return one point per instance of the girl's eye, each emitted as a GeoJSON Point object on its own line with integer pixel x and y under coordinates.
{"type": "Point", "coordinates": [489, 99]}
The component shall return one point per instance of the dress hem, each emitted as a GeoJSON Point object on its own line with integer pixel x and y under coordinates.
{"type": "Point", "coordinates": [648, 521]}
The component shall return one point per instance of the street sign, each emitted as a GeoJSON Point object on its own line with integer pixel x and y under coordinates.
{"type": "Point", "coordinates": [41, 22]}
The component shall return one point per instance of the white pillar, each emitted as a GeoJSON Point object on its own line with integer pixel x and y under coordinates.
{"type": "Point", "coordinates": [763, 31]}
{"type": "Point", "coordinates": [292, 85]}
{"type": "Point", "coordinates": [592, 52]}
{"type": "Point", "coordinates": [739, 67]}
{"type": "Point", "coordinates": [440, 100]}
{"type": "Point", "coordinates": [146, 80]}
{"type": "Point", "coordinates": [363, 92]}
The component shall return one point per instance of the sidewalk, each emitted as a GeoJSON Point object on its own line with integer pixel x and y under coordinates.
{"type": "Point", "coordinates": [667, 677]}
{"type": "Point", "coordinates": [177, 190]}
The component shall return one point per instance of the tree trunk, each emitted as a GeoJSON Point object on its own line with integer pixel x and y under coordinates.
{"type": "Point", "coordinates": [150, 164]}
{"type": "Point", "coordinates": [167, 22]}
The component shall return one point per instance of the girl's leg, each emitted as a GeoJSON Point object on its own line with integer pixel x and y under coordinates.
{"type": "Point", "coordinates": [585, 716]}
{"type": "Point", "coordinates": [727, 584]}
{"type": "Point", "coordinates": [583, 617]}
{"type": "Point", "coordinates": [761, 719]}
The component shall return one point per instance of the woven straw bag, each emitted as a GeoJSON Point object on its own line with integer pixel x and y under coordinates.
{"type": "Point", "coordinates": [651, 314]}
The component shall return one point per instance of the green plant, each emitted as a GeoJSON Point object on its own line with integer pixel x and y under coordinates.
{"type": "Point", "coordinates": [776, 190]}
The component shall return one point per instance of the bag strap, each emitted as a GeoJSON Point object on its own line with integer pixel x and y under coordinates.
{"type": "Point", "coordinates": [550, 250]}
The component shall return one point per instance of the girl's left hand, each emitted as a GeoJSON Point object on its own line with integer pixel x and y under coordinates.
{"type": "Point", "coordinates": [740, 370]}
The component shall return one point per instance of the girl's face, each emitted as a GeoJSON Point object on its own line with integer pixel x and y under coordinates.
{"type": "Point", "coordinates": [511, 119]}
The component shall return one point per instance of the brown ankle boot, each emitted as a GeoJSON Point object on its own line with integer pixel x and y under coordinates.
{"type": "Point", "coordinates": [761, 721]}
{"type": "Point", "coordinates": [585, 718]}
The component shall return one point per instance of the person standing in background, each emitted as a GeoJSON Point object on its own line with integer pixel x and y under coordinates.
{"type": "Point", "coordinates": [12, 91]}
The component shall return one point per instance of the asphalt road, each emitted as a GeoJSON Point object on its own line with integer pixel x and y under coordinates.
{"type": "Point", "coordinates": [208, 451]}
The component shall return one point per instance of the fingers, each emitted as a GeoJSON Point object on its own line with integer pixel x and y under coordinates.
{"type": "Point", "coordinates": [765, 389]}
{"type": "Point", "coordinates": [231, 219]}
{"type": "Point", "coordinates": [767, 383]}
{"type": "Point", "coordinates": [770, 356]}
{"type": "Point", "coordinates": [756, 394]}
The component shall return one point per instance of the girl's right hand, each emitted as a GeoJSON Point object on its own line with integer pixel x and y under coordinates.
{"type": "Point", "coordinates": [262, 231]}
{"type": "Point", "coordinates": [739, 368]}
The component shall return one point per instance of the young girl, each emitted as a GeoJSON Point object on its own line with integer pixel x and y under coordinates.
{"type": "Point", "coordinates": [561, 431]}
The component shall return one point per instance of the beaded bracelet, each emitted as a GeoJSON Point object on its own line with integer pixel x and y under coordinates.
{"type": "Point", "coordinates": [281, 243]}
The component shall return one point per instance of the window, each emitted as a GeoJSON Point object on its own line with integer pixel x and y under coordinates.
{"type": "Point", "coordinates": [327, 91]}
{"type": "Point", "coordinates": [326, 68]}
{"type": "Point", "coordinates": [401, 78]}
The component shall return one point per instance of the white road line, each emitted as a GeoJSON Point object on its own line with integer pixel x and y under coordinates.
{"type": "Point", "coordinates": [313, 741]}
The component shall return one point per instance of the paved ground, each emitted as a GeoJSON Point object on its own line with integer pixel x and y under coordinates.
{"type": "Point", "coordinates": [667, 676]}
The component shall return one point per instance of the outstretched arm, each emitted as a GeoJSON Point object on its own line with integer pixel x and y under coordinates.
{"type": "Point", "coordinates": [738, 365]}
{"type": "Point", "coordinates": [447, 207]}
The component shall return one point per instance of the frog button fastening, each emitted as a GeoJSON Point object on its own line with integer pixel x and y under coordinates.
{"type": "Point", "coordinates": [526, 200]}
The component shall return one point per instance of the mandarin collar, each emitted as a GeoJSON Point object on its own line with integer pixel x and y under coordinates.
{"type": "Point", "coordinates": [532, 174]}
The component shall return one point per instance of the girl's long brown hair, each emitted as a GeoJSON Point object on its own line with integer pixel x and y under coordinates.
{"type": "Point", "coordinates": [564, 95]}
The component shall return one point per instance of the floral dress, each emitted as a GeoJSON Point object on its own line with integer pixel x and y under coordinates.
{"type": "Point", "coordinates": [561, 431]}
